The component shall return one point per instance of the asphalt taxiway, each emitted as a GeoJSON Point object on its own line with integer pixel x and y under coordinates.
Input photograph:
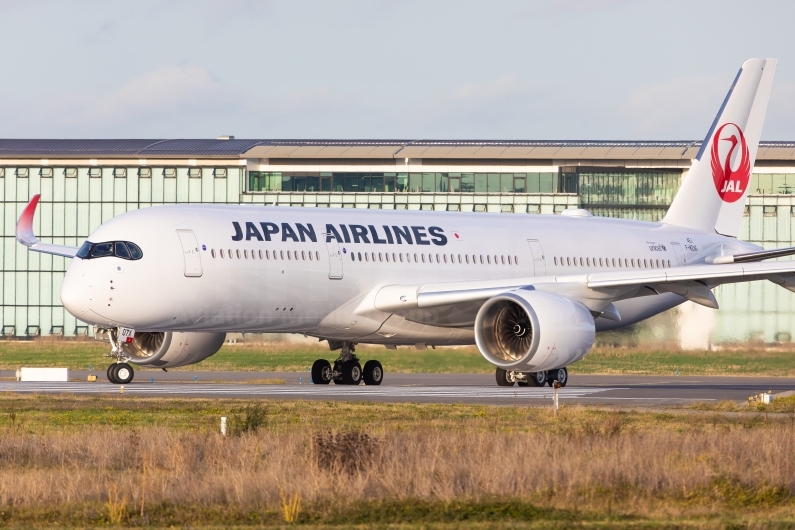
{"type": "Point", "coordinates": [612, 390]}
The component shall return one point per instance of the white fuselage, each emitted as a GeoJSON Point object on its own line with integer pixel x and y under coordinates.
{"type": "Point", "coordinates": [310, 278]}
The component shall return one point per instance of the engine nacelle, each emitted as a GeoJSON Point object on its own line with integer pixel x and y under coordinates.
{"type": "Point", "coordinates": [531, 331]}
{"type": "Point", "coordinates": [172, 349]}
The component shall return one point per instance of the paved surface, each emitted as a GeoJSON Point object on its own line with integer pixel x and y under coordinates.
{"type": "Point", "coordinates": [617, 390]}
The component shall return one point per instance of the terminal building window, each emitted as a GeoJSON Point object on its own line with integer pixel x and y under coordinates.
{"type": "Point", "coordinates": [542, 182]}
{"type": "Point", "coordinates": [617, 187]}
{"type": "Point", "coordinates": [772, 183]}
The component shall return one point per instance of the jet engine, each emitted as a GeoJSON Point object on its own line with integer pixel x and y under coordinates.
{"type": "Point", "coordinates": [172, 349]}
{"type": "Point", "coordinates": [531, 331]}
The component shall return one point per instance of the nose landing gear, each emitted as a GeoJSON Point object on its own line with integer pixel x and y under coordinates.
{"type": "Point", "coordinates": [347, 370]}
{"type": "Point", "coordinates": [120, 372]}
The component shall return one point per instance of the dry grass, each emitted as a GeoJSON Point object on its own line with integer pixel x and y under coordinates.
{"type": "Point", "coordinates": [477, 463]}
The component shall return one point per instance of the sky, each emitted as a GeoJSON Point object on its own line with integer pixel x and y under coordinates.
{"type": "Point", "coordinates": [400, 69]}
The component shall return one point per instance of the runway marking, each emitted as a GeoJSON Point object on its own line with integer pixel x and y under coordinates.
{"type": "Point", "coordinates": [462, 392]}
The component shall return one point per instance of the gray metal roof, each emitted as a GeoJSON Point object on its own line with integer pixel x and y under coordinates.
{"type": "Point", "coordinates": [361, 148]}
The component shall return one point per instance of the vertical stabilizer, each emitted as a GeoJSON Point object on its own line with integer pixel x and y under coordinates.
{"type": "Point", "coordinates": [712, 196]}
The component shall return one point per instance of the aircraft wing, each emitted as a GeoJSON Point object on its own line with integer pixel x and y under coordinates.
{"type": "Point", "coordinates": [596, 290]}
{"type": "Point", "coordinates": [26, 236]}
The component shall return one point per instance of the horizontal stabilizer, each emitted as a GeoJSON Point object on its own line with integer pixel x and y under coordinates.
{"type": "Point", "coordinates": [755, 256]}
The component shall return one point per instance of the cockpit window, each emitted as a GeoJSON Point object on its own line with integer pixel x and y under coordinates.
{"type": "Point", "coordinates": [100, 250]}
{"type": "Point", "coordinates": [84, 251]}
{"type": "Point", "coordinates": [135, 251]}
{"type": "Point", "coordinates": [120, 249]}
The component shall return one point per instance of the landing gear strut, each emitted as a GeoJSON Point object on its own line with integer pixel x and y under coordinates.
{"type": "Point", "coordinates": [510, 378]}
{"type": "Point", "coordinates": [347, 370]}
{"type": "Point", "coordinates": [120, 372]}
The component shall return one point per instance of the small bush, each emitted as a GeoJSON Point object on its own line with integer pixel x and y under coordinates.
{"type": "Point", "coordinates": [350, 451]}
{"type": "Point", "coordinates": [249, 419]}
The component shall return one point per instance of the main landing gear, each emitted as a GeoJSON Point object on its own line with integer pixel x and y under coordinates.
{"type": "Point", "coordinates": [347, 370]}
{"type": "Point", "coordinates": [510, 378]}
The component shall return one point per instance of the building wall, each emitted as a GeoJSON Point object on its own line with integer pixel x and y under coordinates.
{"type": "Point", "coordinates": [77, 199]}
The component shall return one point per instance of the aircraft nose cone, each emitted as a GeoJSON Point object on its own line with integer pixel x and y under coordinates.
{"type": "Point", "coordinates": [75, 295]}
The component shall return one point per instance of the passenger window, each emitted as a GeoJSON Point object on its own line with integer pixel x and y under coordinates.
{"type": "Point", "coordinates": [212, 253]}
{"type": "Point", "coordinates": [222, 253]}
{"type": "Point", "coordinates": [317, 255]}
{"type": "Point", "coordinates": [353, 256]}
{"type": "Point", "coordinates": [516, 260]}
{"type": "Point", "coordinates": [260, 254]}
{"type": "Point", "coordinates": [245, 254]}
{"type": "Point", "coordinates": [401, 257]}
{"type": "Point", "coordinates": [509, 260]}
{"type": "Point", "coordinates": [394, 257]}
{"type": "Point", "coordinates": [360, 256]}
{"type": "Point", "coordinates": [669, 263]}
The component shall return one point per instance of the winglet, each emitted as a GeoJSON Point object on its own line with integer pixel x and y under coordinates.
{"type": "Point", "coordinates": [25, 233]}
{"type": "Point", "coordinates": [26, 236]}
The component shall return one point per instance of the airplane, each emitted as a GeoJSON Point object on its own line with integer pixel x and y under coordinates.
{"type": "Point", "coordinates": [164, 285]}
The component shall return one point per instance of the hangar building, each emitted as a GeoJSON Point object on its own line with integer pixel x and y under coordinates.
{"type": "Point", "coordinates": [86, 182]}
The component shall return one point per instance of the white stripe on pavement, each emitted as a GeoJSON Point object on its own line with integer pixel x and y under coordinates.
{"type": "Point", "coordinates": [208, 389]}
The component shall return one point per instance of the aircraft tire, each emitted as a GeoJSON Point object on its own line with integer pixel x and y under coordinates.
{"type": "Point", "coordinates": [537, 378]}
{"type": "Point", "coordinates": [561, 375]}
{"type": "Point", "coordinates": [502, 378]}
{"type": "Point", "coordinates": [321, 372]}
{"type": "Point", "coordinates": [112, 373]}
{"type": "Point", "coordinates": [372, 373]}
{"type": "Point", "coordinates": [123, 373]}
{"type": "Point", "coordinates": [351, 373]}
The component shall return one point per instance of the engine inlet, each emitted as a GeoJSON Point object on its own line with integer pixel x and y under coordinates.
{"type": "Point", "coordinates": [144, 345]}
{"type": "Point", "coordinates": [510, 332]}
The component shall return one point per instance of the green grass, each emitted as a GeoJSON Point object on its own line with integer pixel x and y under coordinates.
{"type": "Point", "coordinates": [298, 357]}
{"type": "Point", "coordinates": [773, 362]}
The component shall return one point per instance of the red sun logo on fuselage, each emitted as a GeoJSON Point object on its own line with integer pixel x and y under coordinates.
{"type": "Point", "coordinates": [729, 149]}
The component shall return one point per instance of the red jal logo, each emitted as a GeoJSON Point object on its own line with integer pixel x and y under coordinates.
{"type": "Point", "coordinates": [729, 149]}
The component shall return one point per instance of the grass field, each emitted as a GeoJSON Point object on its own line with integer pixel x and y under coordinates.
{"type": "Point", "coordinates": [292, 356]}
{"type": "Point", "coordinates": [123, 461]}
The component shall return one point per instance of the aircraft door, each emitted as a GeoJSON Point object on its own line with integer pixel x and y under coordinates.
{"type": "Point", "coordinates": [681, 261]}
{"type": "Point", "coordinates": [334, 259]}
{"type": "Point", "coordinates": [190, 253]}
{"type": "Point", "coordinates": [539, 260]}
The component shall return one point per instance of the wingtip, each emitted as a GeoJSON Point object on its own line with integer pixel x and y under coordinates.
{"type": "Point", "coordinates": [25, 233]}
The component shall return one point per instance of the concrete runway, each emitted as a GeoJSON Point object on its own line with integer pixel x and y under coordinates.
{"type": "Point", "coordinates": [614, 390]}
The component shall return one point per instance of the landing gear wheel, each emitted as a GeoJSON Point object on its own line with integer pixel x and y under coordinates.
{"type": "Point", "coordinates": [502, 378]}
{"type": "Point", "coordinates": [561, 375]}
{"type": "Point", "coordinates": [373, 373]}
{"type": "Point", "coordinates": [537, 378]}
{"type": "Point", "coordinates": [321, 372]}
{"type": "Point", "coordinates": [526, 382]}
{"type": "Point", "coordinates": [123, 373]}
{"type": "Point", "coordinates": [112, 373]}
{"type": "Point", "coordinates": [351, 373]}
